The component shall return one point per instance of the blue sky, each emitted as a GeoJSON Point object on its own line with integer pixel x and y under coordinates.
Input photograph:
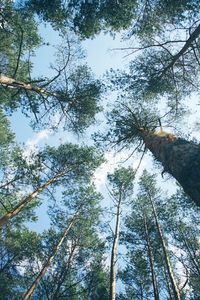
{"type": "Point", "coordinates": [100, 57]}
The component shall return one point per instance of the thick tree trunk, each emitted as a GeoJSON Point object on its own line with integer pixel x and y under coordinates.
{"type": "Point", "coordinates": [179, 157]}
{"type": "Point", "coordinates": [16, 210]}
{"type": "Point", "coordinates": [166, 257]}
{"type": "Point", "coordinates": [50, 258]}
{"type": "Point", "coordinates": [114, 253]}
{"type": "Point", "coordinates": [151, 260]}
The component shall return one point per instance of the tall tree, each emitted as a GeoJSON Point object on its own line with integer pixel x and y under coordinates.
{"type": "Point", "coordinates": [72, 92]}
{"type": "Point", "coordinates": [150, 192]}
{"type": "Point", "coordinates": [138, 126]}
{"type": "Point", "coordinates": [70, 273]}
{"type": "Point", "coordinates": [65, 164]}
{"type": "Point", "coordinates": [44, 269]}
{"type": "Point", "coordinates": [121, 182]}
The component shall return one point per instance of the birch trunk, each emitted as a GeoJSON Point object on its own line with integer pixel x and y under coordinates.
{"type": "Point", "coordinates": [17, 209]}
{"type": "Point", "coordinates": [114, 252]}
{"type": "Point", "coordinates": [30, 291]}
{"type": "Point", "coordinates": [151, 260]}
{"type": "Point", "coordinates": [166, 257]}
{"type": "Point", "coordinates": [179, 157]}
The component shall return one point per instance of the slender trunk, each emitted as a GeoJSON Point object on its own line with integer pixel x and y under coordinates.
{"type": "Point", "coordinates": [15, 84]}
{"type": "Point", "coordinates": [166, 257]}
{"type": "Point", "coordinates": [192, 256]}
{"type": "Point", "coordinates": [179, 157]}
{"type": "Point", "coordinates": [168, 284]}
{"type": "Point", "coordinates": [50, 258]}
{"type": "Point", "coordinates": [17, 209]}
{"type": "Point", "coordinates": [64, 273]}
{"type": "Point", "coordinates": [114, 252]}
{"type": "Point", "coordinates": [187, 45]}
{"type": "Point", "coordinates": [151, 260]}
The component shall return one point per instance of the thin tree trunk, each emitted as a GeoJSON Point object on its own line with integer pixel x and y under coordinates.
{"type": "Point", "coordinates": [166, 257]}
{"type": "Point", "coordinates": [179, 157]}
{"type": "Point", "coordinates": [17, 209]}
{"type": "Point", "coordinates": [195, 263]}
{"type": "Point", "coordinates": [64, 273]}
{"type": "Point", "coordinates": [151, 260]}
{"type": "Point", "coordinates": [15, 84]}
{"type": "Point", "coordinates": [114, 252]}
{"type": "Point", "coordinates": [50, 258]}
{"type": "Point", "coordinates": [168, 284]}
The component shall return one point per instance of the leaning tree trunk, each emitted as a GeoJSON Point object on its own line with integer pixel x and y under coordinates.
{"type": "Point", "coordinates": [151, 260]}
{"type": "Point", "coordinates": [63, 274]}
{"type": "Point", "coordinates": [166, 256]}
{"type": "Point", "coordinates": [30, 291]}
{"type": "Point", "coordinates": [114, 253]}
{"type": "Point", "coordinates": [179, 157]}
{"type": "Point", "coordinates": [15, 84]}
{"type": "Point", "coordinates": [17, 209]}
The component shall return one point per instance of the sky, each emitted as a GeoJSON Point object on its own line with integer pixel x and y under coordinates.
{"type": "Point", "coordinates": [100, 56]}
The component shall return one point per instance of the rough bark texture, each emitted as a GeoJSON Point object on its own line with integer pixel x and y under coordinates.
{"type": "Point", "coordinates": [114, 253]}
{"type": "Point", "coordinates": [179, 157]}
{"type": "Point", "coordinates": [30, 291]}
{"type": "Point", "coordinates": [16, 210]}
{"type": "Point", "coordinates": [151, 260]}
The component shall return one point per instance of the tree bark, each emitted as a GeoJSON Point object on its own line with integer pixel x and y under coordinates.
{"type": "Point", "coordinates": [151, 260]}
{"type": "Point", "coordinates": [64, 273]}
{"type": "Point", "coordinates": [30, 291]}
{"type": "Point", "coordinates": [15, 84]}
{"type": "Point", "coordinates": [17, 209]}
{"type": "Point", "coordinates": [179, 157]}
{"type": "Point", "coordinates": [166, 257]}
{"type": "Point", "coordinates": [114, 252]}
{"type": "Point", "coordinates": [194, 35]}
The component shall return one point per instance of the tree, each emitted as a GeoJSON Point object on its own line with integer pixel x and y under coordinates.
{"type": "Point", "coordinates": [44, 269]}
{"type": "Point", "coordinates": [137, 126]}
{"type": "Point", "coordinates": [148, 239]}
{"type": "Point", "coordinates": [72, 269]}
{"type": "Point", "coordinates": [72, 93]}
{"type": "Point", "coordinates": [149, 191]}
{"type": "Point", "coordinates": [65, 164]}
{"type": "Point", "coordinates": [121, 182]}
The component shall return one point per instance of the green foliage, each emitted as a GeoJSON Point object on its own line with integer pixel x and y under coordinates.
{"type": "Point", "coordinates": [121, 181]}
{"type": "Point", "coordinates": [18, 248]}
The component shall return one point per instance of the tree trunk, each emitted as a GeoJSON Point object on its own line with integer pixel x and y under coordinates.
{"type": "Point", "coordinates": [166, 257]}
{"type": "Point", "coordinates": [64, 273]}
{"type": "Point", "coordinates": [50, 258]}
{"type": "Point", "coordinates": [151, 260]}
{"type": "Point", "coordinates": [15, 84]}
{"type": "Point", "coordinates": [16, 210]}
{"type": "Point", "coordinates": [191, 255]}
{"type": "Point", "coordinates": [179, 157]}
{"type": "Point", "coordinates": [194, 35]}
{"type": "Point", "coordinates": [114, 253]}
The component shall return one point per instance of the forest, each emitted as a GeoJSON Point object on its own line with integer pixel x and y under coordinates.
{"type": "Point", "coordinates": [107, 207]}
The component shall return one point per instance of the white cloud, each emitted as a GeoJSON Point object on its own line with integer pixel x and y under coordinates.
{"type": "Point", "coordinates": [32, 143]}
{"type": "Point", "coordinates": [113, 161]}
